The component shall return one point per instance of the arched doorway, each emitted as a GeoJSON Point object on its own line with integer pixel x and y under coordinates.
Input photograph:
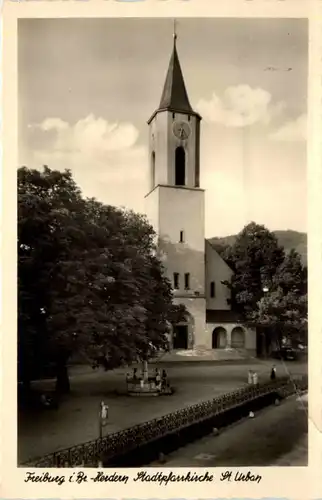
{"type": "Point", "coordinates": [183, 333]}
{"type": "Point", "coordinates": [238, 338]}
{"type": "Point", "coordinates": [180, 167]}
{"type": "Point", "coordinates": [219, 338]}
{"type": "Point", "coordinates": [180, 336]}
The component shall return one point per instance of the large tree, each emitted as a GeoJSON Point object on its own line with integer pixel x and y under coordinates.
{"type": "Point", "coordinates": [45, 202]}
{"type": "Point", "coordinates": [268, 288]}
{"type": "Point", "coordinates": [284, 315]}
{"type": "Point", "coordinates": [90, 281]}
{"type": "Point", "coordinates": [283, 308]}
{"type": "Point", "coordinates": [255, 256]}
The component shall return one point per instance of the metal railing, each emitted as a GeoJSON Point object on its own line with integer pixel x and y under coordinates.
{"type": "Point", "coordinates": [89, 454]}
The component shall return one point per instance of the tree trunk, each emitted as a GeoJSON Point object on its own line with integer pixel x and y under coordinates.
{"type": "Point", "coordinates": [62, 381]}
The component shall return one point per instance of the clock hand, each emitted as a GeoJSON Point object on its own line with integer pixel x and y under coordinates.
{"type": "Point", "coordinates": [182, 132]}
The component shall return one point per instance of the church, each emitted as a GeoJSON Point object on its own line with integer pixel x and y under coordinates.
{"type": "Point", "coordinates": [175, 206]}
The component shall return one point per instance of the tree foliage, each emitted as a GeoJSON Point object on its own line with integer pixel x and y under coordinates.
{"type": "Point", "coordinates": [283, 308]}
{"type": "Point", "coordinates": [90, 281]}
{"type": "Point", "coordinates": [45, 202]}
{"type": "Point", "coordinates": [284, 314]}
{"type": "Point", "coordinates": [269, 288]}
{"type": "Point", "coordinates": [254, 257]}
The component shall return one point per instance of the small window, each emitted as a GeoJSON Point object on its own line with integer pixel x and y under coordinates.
{"type": "Point", "coordinates": [188, 118]}
{"type": "Point", "coordinates": [176, 281]}
{"type": "Point", "coordinates": [181, 236]}
{"type": "Point", "coordinates": [173, 116]}
{"type": "Point", "coordinates": [212, 289]}
{"type": "Point", "coordinates": [187, 281]}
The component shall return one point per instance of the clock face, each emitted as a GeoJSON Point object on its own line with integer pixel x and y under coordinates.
{"type": "Point", "coordinates": [181, 130]}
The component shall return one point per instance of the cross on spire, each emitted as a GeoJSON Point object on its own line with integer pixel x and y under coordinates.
{"type": "Point", "coordinates": [175, 36]}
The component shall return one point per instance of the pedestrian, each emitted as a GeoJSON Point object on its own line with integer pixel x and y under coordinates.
{"type": "Point", "coordinates": [103, 417]}
{"type": "Point", "coordinates": [104, 412]}
{"type": "Point", "coordinates": [255, 378]}
{"type": "Point", "coordinates": [273, 373]}
{"type": "Point", "coordinates": [250, 376]}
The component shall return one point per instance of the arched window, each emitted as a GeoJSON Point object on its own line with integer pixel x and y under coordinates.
{"type": "Point", "coordinates": [180, 167]}
{"type": "Point", "coordinates": [153, 170]}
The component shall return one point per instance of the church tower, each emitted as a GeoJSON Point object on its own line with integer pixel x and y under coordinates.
{"type": "Point", "coordinates": [175, 202]}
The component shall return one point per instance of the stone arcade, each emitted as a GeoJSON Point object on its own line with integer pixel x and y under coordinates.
{"type": "Point", "coordinates": [175, 206]}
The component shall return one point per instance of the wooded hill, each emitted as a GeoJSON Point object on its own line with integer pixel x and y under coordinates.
{"type": "Point", "coordinates": [288, 239]}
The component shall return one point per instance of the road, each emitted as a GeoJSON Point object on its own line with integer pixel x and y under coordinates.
{"type": "Point", "coordinates": [277, 435]}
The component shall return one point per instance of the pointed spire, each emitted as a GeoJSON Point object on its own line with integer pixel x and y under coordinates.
{"type": "Point", "coordinates": [174, 95]}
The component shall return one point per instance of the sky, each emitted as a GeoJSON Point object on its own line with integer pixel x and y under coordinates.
{"type": "Point", "coordinates": [88, 86]}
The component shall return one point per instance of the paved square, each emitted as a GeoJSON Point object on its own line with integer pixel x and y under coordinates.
{"type": "Point", "coordinates": [76, 419]}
